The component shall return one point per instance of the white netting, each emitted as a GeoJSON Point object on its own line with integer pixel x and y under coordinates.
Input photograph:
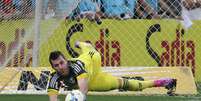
{"type": "Point", "coordinates": [126, 32]}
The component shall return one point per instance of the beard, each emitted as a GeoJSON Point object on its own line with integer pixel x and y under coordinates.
{"type": "Point", "coordinates": [64, 72]}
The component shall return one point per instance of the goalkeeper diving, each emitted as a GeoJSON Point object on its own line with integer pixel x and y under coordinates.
{"type": "Point", "coordinates": [84, 73]}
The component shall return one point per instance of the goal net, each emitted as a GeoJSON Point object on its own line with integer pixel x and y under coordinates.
{"type": "Point", "coordinates": [127, 33]}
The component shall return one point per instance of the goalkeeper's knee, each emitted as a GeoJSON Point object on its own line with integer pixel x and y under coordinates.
{"type": "Point", "coordinates": [131, 85]}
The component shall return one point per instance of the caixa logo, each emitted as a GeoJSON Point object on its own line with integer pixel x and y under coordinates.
{"type": "Point", "coordinates": [179, 52]}
{"type": "Point", "coordinates": [110, 50]}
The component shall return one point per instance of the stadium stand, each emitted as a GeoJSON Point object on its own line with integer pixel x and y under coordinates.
{"type": "Point", "coordinates": [191, 4]}
{"type": "Point", "coordinates": [120, 9]}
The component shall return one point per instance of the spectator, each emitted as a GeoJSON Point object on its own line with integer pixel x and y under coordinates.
{"type": "Point", "coordinates": [17, 4]}
{"type": "Point", "coordinates": [50, 8]}
{"type": "Point", "coordinates": [62, 7]}
{"type": "Point", "coordinates": [7, 6]}
{"type": "Point", "coordinates": [33, 3]}
{"type": "Point", "coordinates": [131, 6]}
{"type": "Point", "coordinates": [191, 10]}
{"type": "Point", "coordinates": [27, 8]}
{"type": "Point", "coordinates": [147, 9]}
{"type": "Point", "coordinates": [118, 8]}
{"type": "Point", "coordinates": [86, 9]}
{"type": "Point", "coordinates": [191, 4]}
{"type": "Point", "coordinates": [170, 8]}
{"type": "Point", "coordinates": [7, 10]}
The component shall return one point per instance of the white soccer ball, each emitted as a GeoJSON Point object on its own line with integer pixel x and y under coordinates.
{"type": "Point", "coordinates": [75, 95]}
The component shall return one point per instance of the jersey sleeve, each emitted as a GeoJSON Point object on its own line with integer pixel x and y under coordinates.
{"type": "Point", "coordinates": [53, 86]}
{"type": "Point", "coordinates": [78, 69]}
{"type": "Point", "coordinates": [85, 47]}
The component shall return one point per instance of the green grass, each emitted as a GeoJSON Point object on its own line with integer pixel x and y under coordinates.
{"type": "Point", "coordinates": [101, 98]}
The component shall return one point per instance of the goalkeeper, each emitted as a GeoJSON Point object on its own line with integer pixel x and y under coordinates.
{"type": "Point", "coordinates": [85, 74]}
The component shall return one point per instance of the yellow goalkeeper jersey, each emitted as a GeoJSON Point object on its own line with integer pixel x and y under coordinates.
{"type": "Point", "coordinates": [87, 65]}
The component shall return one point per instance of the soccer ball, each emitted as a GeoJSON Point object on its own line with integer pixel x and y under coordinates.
{"type": "Point", "coordinates": [75, 95]}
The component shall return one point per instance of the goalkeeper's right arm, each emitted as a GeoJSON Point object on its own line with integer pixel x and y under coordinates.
{"type": "Point", "coordinates": [52, 97]}
{"type": "Point", "coordinates": [53, 86]}
{"type": "Point", "coordinates": [52, 93]}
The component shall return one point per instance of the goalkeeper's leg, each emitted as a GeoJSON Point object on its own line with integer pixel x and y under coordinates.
{"type": "Point", "coordinates": [105, 82]}
{"type": "Point", "coordinates": [137, 85]}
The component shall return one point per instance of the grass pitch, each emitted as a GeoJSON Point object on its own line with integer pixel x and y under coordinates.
{"type": "Point", "coordinates": [101, 98]}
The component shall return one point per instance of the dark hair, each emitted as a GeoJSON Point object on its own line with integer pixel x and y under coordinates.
{"type": "Point", "coordinates": [54, 55]}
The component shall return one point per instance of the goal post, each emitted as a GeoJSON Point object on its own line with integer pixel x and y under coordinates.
{"type": "Point", "coordinates": [36, 44]}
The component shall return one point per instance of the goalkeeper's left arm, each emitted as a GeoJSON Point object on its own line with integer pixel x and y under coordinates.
{"type": "Point", "coordinates": [84, 46]}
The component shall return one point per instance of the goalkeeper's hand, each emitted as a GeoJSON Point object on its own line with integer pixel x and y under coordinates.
{"type": "Point", "coordinates": [77, 44]}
